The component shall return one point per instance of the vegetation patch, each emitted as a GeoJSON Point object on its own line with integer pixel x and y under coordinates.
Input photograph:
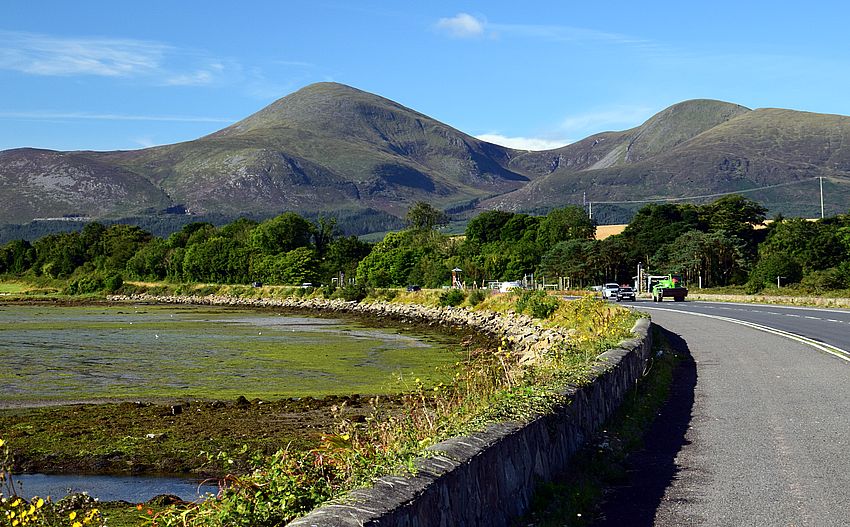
{"type": "Point", "coordinates": [575, 499]}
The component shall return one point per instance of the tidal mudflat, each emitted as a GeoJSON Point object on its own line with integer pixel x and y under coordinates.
{"type": "Point", "coordinates": [146, 389]}
{"type": "Point", "coordinates": [106, 353]}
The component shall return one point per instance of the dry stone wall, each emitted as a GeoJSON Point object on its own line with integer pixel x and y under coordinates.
{"type": "Point", "coordinates": [487, 478]}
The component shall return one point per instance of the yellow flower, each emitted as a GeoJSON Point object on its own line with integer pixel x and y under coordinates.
{"type": "Point", "coordinates": [72, 515]}
{"type": "Point", "coordinates": [77, 524]}
{"type": "Point", "coordinates": [2, 442]}
{"type": "Point", "coordinates": [39, 503]}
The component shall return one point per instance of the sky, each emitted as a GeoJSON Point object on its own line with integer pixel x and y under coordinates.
{"type": "Point", "coordinates": [96, 75]}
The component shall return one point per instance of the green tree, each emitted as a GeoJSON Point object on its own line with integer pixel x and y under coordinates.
{"type": "Point", "coordinates": [423, 216]}
{"type": "Point", "coordinates": [391, 261]}
{"type": "Point", "coordinates": [487, 226]}
{"type": "Point", "coordinates": [150, 262]}
{"type": "Point", "coordinates": [217, 260]}
{"type": "Point", "coordinates": [297, 266]}
{"type": "Point", "coordinates": [17, 257]}
{"type": "Point", "coordinates": [568, 223]}
{"type": "Point", "coordinates": [281, 234]}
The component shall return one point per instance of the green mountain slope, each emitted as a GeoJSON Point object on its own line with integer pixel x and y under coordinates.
{"type": "Point", "coordinates": [326, 147]}
{"type": "Point", "coordinates": [697, 148]}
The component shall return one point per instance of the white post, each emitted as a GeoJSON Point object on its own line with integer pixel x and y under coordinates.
{"type": "Point", "coordinates": [821, 197]}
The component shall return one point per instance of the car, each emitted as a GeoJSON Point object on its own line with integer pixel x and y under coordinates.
{"type": "Point", "coordinates": [413, 288]}
{"type": "Point", "coordinates": [609, 290]}
{"type": "Point", "coordinates": [625, 293]}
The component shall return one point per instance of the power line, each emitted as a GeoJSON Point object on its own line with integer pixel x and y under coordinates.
{"type": "Point", "coordinates": [704, 196]}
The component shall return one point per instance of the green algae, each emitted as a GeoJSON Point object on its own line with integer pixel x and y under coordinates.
{"type": "Point", "coordinates": [83, 353]}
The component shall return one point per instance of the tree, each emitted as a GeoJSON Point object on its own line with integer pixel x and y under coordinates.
{"type": "Point", "coordinates": [571, 258]}
{"type": "Point", "coordinates": [16, 257]}
{"type": "Point", "coordinates": [487, 226]}
{"type": "Point", "coordinates": [423, 217]}
{"type": "Point", "coordinates": [281, 234]}
{"type": "Point", "coordinates": [568, 223]}
{"type": "Point", "coordinates": [298, 266]}
{"type": "Point", "coordinates": [391, 261]}
{"type": "Point", "coordinates": [218, 260]}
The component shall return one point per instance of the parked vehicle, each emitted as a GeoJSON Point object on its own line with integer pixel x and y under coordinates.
{"type": "Point", "coordinates": [625, 293]}
{"type": "Point", "coordinates": [666, 287]}
{"type": "Point", "coordinates": [609, 290]}
{"type": "Point", "coordinates": [413, 288]}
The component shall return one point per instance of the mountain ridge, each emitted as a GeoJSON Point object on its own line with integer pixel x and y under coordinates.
{"type": "Point", "coordinates": [330, 147]}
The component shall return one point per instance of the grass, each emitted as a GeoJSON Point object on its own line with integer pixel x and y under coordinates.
{"type": "Point", "coordinates": [574, 500]}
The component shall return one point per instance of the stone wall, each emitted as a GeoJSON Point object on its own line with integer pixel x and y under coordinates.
{"type": "Point", "coordinates": [487, 478]}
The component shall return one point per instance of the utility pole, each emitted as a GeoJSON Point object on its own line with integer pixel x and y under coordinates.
{"type": "Point", "coordinates": [821, 197]}
{"type": "Point", "coordinates": [590, 209]}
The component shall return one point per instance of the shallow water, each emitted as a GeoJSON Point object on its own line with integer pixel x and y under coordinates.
{"type": "Point", "coordinates": [127, 352]}
{"type": "Point", "coordinates": [134, 489]}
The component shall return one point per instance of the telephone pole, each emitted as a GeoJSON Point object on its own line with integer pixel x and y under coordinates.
{"type": "Point", "coordinates": [821, 197]}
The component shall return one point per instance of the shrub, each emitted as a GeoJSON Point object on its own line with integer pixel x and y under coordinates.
{"type": "Point", "coordinates": [536, 303]}
{"type": "Point", "coordinates": [452, 297]}
{"type": "Point", "coordinates": [113, 282]}
{"type": "Point", "coordinates": [352, 292]}
{"type": "Point", "coordinates": [477, 296]}
{"type": "Point", "coordinates": [827, 280]}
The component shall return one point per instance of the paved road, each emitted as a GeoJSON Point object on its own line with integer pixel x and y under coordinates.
{"type": "Point", "coordinates": [756, 432]}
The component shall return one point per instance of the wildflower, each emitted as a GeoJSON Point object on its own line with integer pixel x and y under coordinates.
{"type": "Point", "coordinates": [39, 503]}
{"type": "Point", "coordinates": [139, 507]}
{"type": "Point", "coordinates": [2, 442]}
{"type": "Point", "coordinates": [72, 515]}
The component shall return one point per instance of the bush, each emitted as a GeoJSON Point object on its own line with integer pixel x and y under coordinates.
{"type": "Point", "coordinates": [827, 280]}
{"type": "Point", "coordinates": [537, 303]}
{"type": "Point", "coordinates": [352, 292]}
{"type": "Point", "coordinates": [477, 296]}
{"type": "Point", "coordinates": [452, 297]}
{"type": "Point", "coordinates": [85, 285]}
{"type": "Point", "coordinates": [327, 291]}
{"type": "Point", "coordinates": [769, 267]}
{"type": "Point", "coordinates": [113, 282]}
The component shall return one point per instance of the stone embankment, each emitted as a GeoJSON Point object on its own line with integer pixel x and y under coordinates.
{"type": "Point", "coordinates": [525, 336]}
{"type": "Point", "coordinates": [487, 478]}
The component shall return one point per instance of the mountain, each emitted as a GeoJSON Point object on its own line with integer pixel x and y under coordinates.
{"type": "Point", "coordinates": [695, 148]}
{"type": "Point", "coordinates": [325, 147]}
{"type": "Point", "coordinates": [333, 148]}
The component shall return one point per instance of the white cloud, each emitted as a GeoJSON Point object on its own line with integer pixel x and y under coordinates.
{"type": "Point", "coordinates": [617, 118]}
{"type": "Point", "coordinates": [524, 143]}
{"type": "Point", "coordinates": [37, 54]}
{"type": "Point", "coordinates": [462, 25]}
{"type": "Point", "coordinates": [145, 142]}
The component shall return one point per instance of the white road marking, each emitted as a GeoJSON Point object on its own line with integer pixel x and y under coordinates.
{"type": "Point", "coordinates": [822, 346]}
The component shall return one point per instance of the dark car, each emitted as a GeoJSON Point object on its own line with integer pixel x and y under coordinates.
{"type": "Point", "coordinates": [625, 293]}
{"type": "Point", "coordinates": [412, 288]}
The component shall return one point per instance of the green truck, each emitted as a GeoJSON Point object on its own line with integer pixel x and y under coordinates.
{"type": "Point", "coordinates": [667, 287]}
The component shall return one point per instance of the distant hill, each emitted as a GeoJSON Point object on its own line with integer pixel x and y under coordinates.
{"type": "Point", "coordinates": [695, 148]}
{"type": "Point", "coordinates": [330, 148]}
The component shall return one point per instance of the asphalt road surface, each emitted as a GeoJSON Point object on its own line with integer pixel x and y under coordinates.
{"type": "Point", "coordinates": [757, 429]}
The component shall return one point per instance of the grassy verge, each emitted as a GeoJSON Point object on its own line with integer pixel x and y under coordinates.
{"type": "Point", "coordinates": [574, 500]}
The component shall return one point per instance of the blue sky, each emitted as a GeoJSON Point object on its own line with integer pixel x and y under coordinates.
{"type": "Point", "coordinates": [124, 75]}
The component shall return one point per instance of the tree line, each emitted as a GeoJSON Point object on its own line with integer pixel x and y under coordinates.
{"type": "Point", "coordinates": [717, 244]}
